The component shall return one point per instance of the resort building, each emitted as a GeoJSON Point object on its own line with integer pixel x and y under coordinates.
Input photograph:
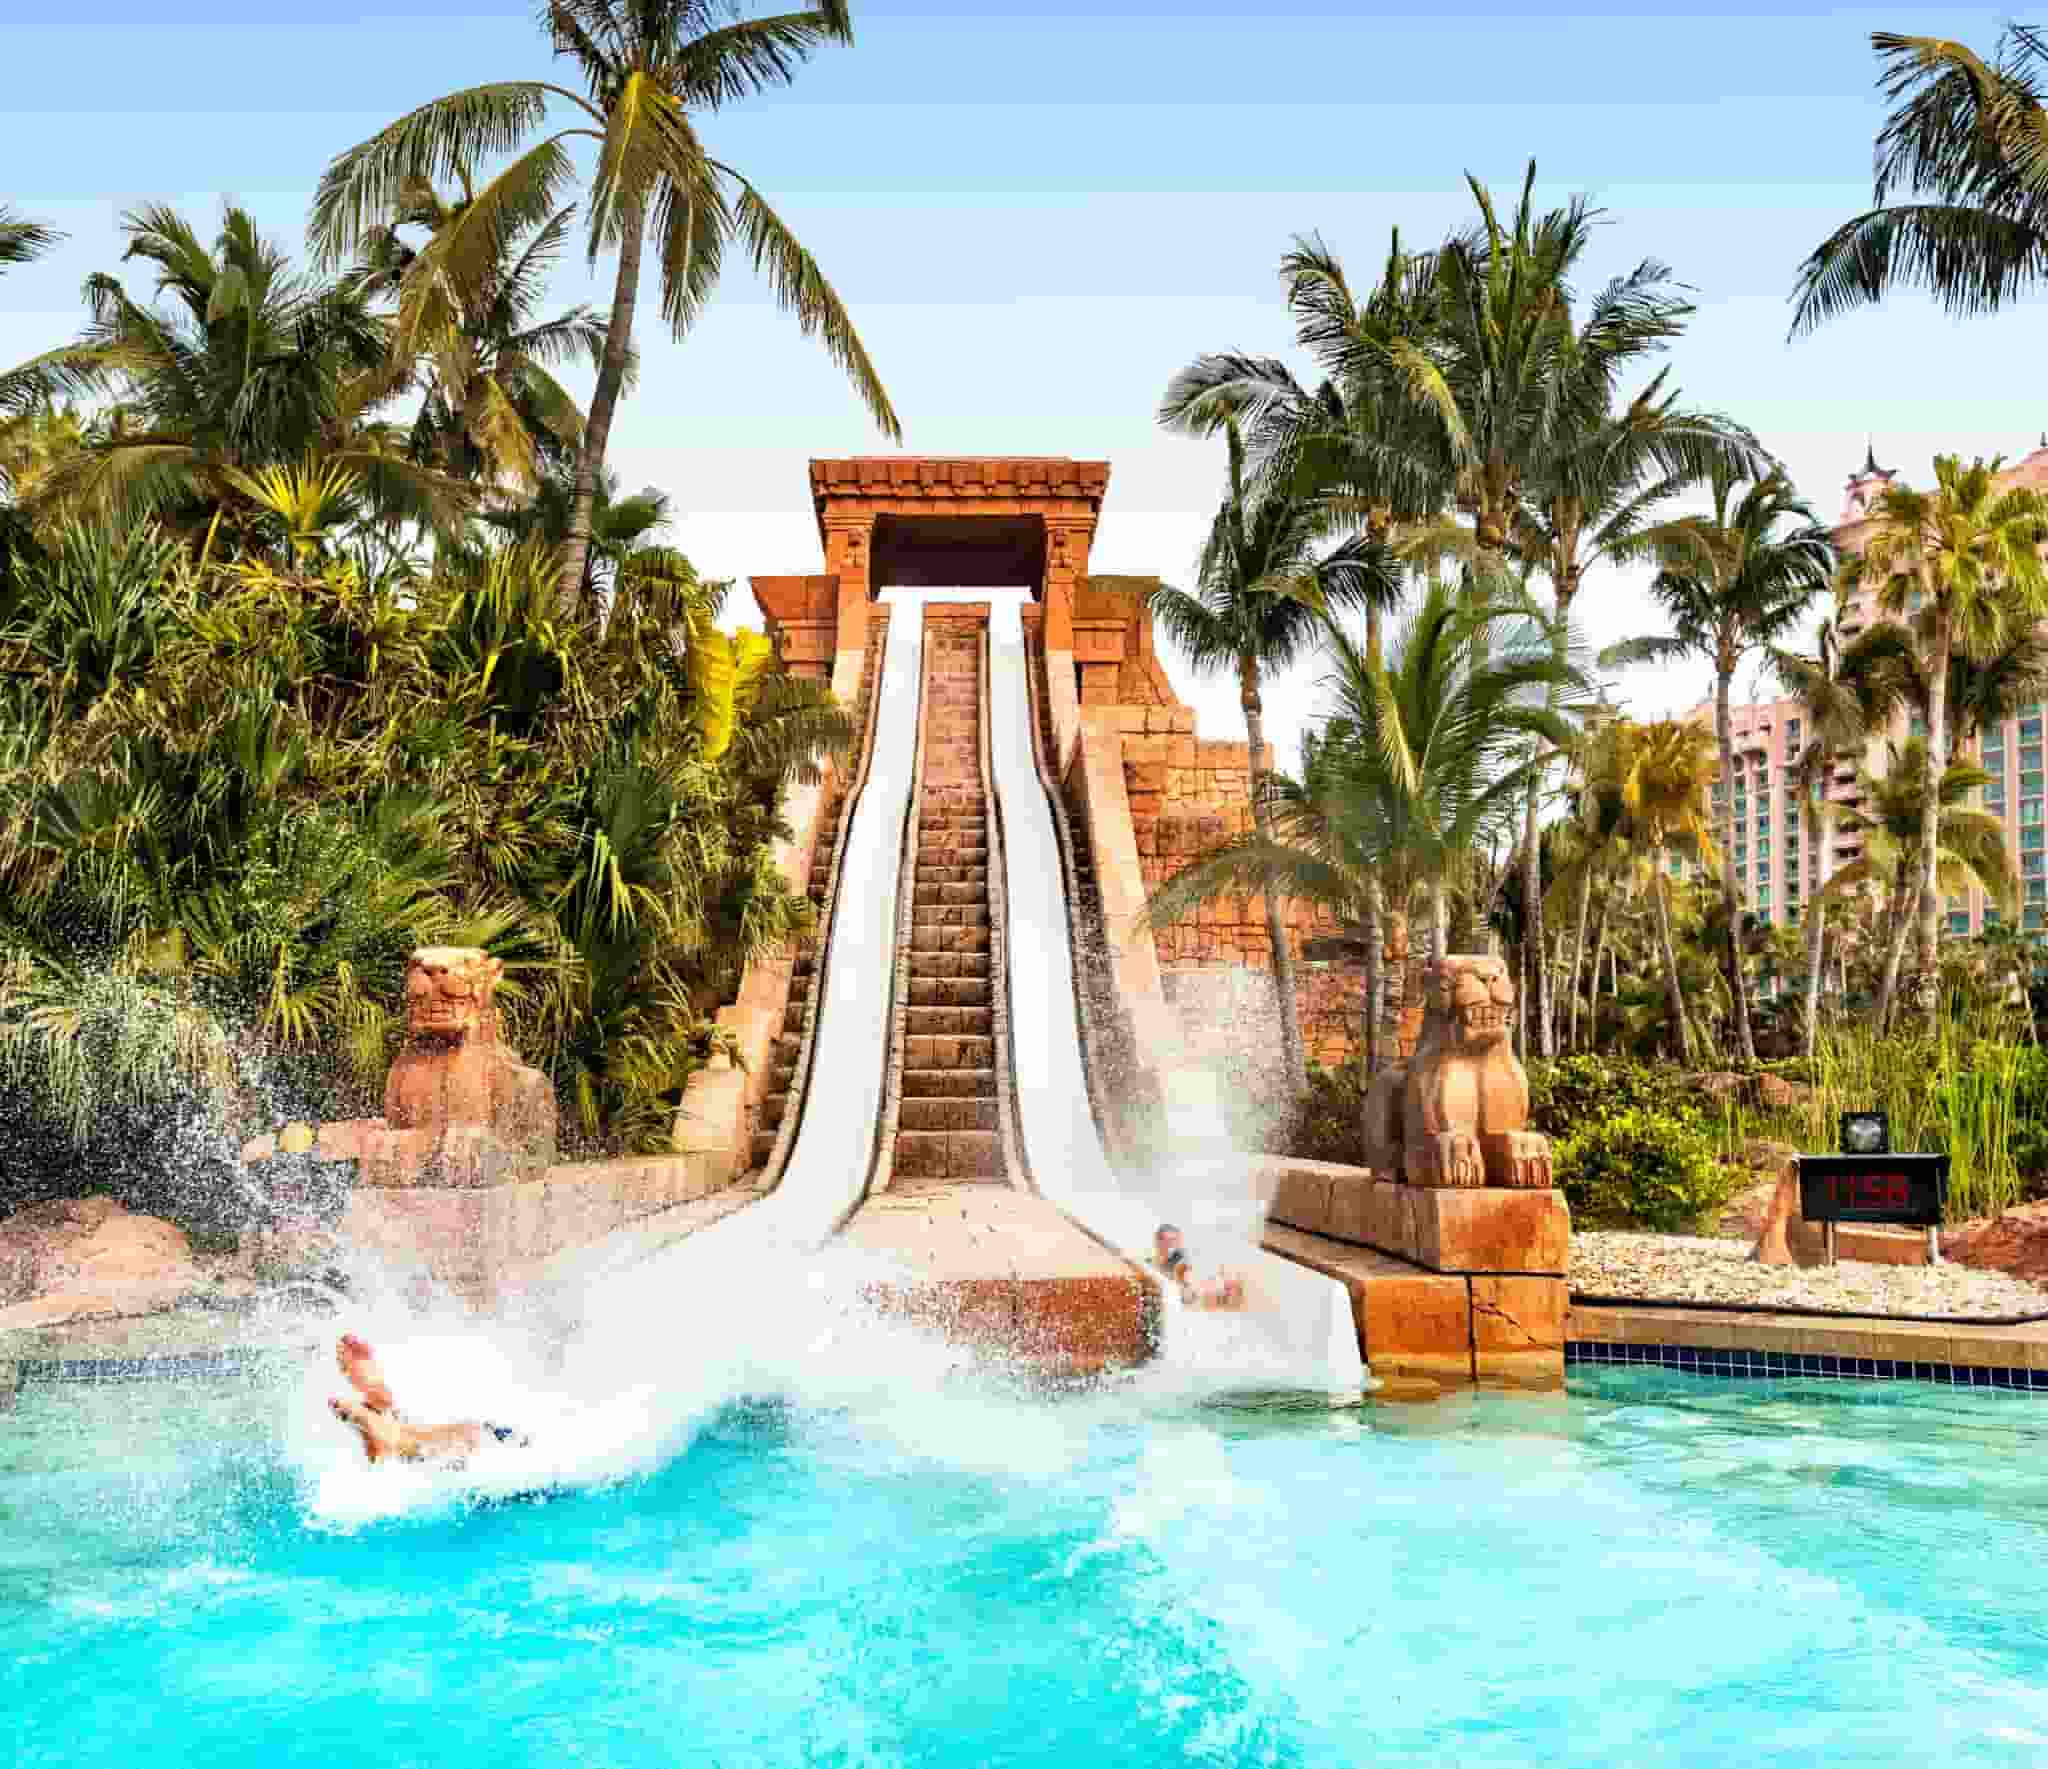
{"type": "Point", "coordinates": [1775, 865]}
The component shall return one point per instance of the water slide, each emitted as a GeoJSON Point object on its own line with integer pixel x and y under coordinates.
{"type": "Point", "coordinates": [1298, 1329]}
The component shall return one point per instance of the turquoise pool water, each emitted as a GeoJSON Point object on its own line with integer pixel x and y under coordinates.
{"type": "Point", "coordinates": [1658, 1570]}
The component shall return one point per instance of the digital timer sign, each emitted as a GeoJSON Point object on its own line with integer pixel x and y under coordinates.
{"type": "Point", "coordinates": [1904, 1190]}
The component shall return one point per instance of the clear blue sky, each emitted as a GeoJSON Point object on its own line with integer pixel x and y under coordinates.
{"type": "Point", "coordinates": [1037, 217]}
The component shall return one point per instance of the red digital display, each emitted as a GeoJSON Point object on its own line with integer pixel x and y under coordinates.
{"type": "Point", "coordinates": [1868, 1191]}
{"type": "Point", "coordinates": [1902, 1189]}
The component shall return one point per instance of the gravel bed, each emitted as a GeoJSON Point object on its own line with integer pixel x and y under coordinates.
{"type": "Point", "coordinates": [1697, 1268]}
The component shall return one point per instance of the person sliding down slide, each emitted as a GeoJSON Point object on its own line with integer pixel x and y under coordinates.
{"type": "Point", "coordinates": [1170, 1257]}
{"type": "Point", "coordinates": [386, 1432]}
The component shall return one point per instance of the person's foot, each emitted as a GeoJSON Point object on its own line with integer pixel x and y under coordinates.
{"type": "Point", "coordinates": [378, 1430]}
{"type": "Point", "coordinates": [358, 1363]}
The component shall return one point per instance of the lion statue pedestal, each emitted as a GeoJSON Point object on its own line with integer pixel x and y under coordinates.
{"type": "Point", "coordinates": [463, 1116]}
{"type": "Point", "coordinates": [1457, 1112]}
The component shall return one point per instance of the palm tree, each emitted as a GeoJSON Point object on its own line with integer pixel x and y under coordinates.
{"type": "Point", "coordinates": [1588, 504]}
{"type": "Point", "coordinates": [1969, 842]}
{"type": "Point", "coordinates": [1849, 698]}
{"type": "Point", "coordinates": [252, 365]}
{"type": "Point", "coordinates": [1658, 776]}
{"type": "Point", "coordinates": [493, 409]}
{"type": "Point", "coordinates": [1524, 390]}
{"type": "Point", "coordinates": [1261, 598]}
{"type": "Point", "coordinates": [36, 382]}
{"type": "Point", "coordinates": [1966, 555]}
{"type": "Point", "coordinates": [1422, 760]}
{"type": "Point", "coordinates": [1354, 445]}
{"type": "Point", "coordinates": [1968, 142]}
{"type": "Point", "coordinates": [27, 396]}
{"type": "Point", "coordinates": [1731, 582]}
{"type": "Point", "coordinates": [648, 67]}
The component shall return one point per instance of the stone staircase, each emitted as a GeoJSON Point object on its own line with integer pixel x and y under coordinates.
{"type": "Point", "coordinates": [788, 1045]}
{"type": "Point", "coordinates": [947, 1127]}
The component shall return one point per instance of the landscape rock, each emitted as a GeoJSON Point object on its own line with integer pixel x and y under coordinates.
{"type": "Point", "coordinates": [1775, 1093]}
{"type": "Point", "coordinates": [2015, 1243]}
{"type": "Point", "coordinates": [73, 1257]}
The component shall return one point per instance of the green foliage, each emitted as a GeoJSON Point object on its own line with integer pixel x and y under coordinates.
{"type": "Point", "coordinates": [1643, 1167]}
{"type": "Point", "coordinates": [1326, 1122]}
{"type": "Point", "coordinates": [233, 798]}
{"type": "Point", "coordinates": [1576, 1090]}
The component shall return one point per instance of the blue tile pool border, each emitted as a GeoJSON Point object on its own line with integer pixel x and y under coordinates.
{"type": "Point", "coordinates": [1783, 1365]}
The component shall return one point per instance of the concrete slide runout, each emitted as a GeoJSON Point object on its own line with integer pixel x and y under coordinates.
{"type": "Point", "coordinates": [1298, 1330]}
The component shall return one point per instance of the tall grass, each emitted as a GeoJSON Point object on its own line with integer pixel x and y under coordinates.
{"type": "Point", "coordinates": [1957, 1088]}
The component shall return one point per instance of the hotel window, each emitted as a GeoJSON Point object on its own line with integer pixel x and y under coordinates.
{"type": "Point", "coordinates": [2030, 755]}
{"type": "Point", "coordinates": [2035, 917]}
{"type": "Point", "coordinates": [2031, 838]}
{"type": "Point", "coordinates": [2031, 864]}
{"type": "Point", "coordinates": [1959, 922]}
{"type": "Point", "coordinates": [1990, 916]}
{"type": "Point", "coordinates": [1913, 602]}
{"type": "Point", "coordinates": [2031, 782]}
{"type": "Point", "coordinates": [1763, 847]}
{"type": "Point", "coordinates": [2030, 810]}
{"type": "Point", "coordinates": [2037, 890]}
{"type": "Point", "coordinates": [1791, 914]}
{"type": "Point", "coordinates": [1919, 726]}
{"type": "Point", "coordinates": [2030, 729]}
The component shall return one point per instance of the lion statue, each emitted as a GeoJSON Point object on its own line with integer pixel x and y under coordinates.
{"type": "Point", "coordinates": [458, 1104]}
{"type": "Point", "coordinates": [453, 1070]}
{"type": "Point", "coordinates": [1456, 1114]}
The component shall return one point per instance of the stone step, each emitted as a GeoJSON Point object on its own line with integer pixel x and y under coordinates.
{"type": "Point", "coordinates": [943, 871]}
{"type": "Point", "coordinates": [773, 1106]}
{"type": "Point", "coordinates": [949, 1084]}
{"type": "Point", "coordinates": [923, 1022]}
{"type": "Point", "coordinates": [764, 1146]}
{"type": "Point", "coordinates": [948, 936]}
{"type": "Point", "coordinates": [941, 1113]}
{"type": "Point", "coordinates": [973, 914]}
{"type": "Point", "coordinates": [948, 964]}
{"type": "Point", "coordinates": [948, 1154]}
{"type": "Point", "coordinates": [948, 991]}
{"type": "Point", "coordinates": [954, 895]}
{"type": "Point", "coordinates": [949, 1050]}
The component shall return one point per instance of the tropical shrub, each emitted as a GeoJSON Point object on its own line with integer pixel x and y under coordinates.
{"type": "Point", "coordinates": [1643, 1167]}
{"type": "Point", "coordinates": [233, 799]}
{"type": "Point", "coordinates": [1576, 1090]}
{"type": "Point", "coordinates": [1324, 1122]}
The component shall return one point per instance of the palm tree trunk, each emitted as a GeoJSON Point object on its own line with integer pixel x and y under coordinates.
{"type": "Point", "coordinates": [1674, 995]}
{"type": "Point", "coordinates": [1369, 1029]}
{"type": "Point", "coordinates": [1571, 981]}
{"type": "Point", "coordinates": [604, 401]}
{"type": "Point", "coordinates": [1738, 993]}
{"type": "Point", "coordinates": [1394, 993]}
{"type": "Point", "coordinates": [1276, 927]}
{"type": "Point", "coordinates": [1898, 925]}
{"type": "Point", "coordinates": [1538, 1041]}
{"type": "Point", "coordinates": [1926, 989]}
{"type": "Point", "coordinates": [1593, 986]}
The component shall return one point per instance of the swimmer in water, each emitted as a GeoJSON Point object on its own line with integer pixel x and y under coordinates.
{"type": "Point", "coordinates": [385, 1432]}
{"type": "Point", "coordinates": [1170, 1257]}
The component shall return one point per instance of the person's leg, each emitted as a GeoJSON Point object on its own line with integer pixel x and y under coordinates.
{"type": "Point", "coordinates": [359, 1365]}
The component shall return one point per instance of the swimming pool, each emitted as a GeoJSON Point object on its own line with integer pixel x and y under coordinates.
{"type": "Point", "coordinates": [1654, 1569]}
